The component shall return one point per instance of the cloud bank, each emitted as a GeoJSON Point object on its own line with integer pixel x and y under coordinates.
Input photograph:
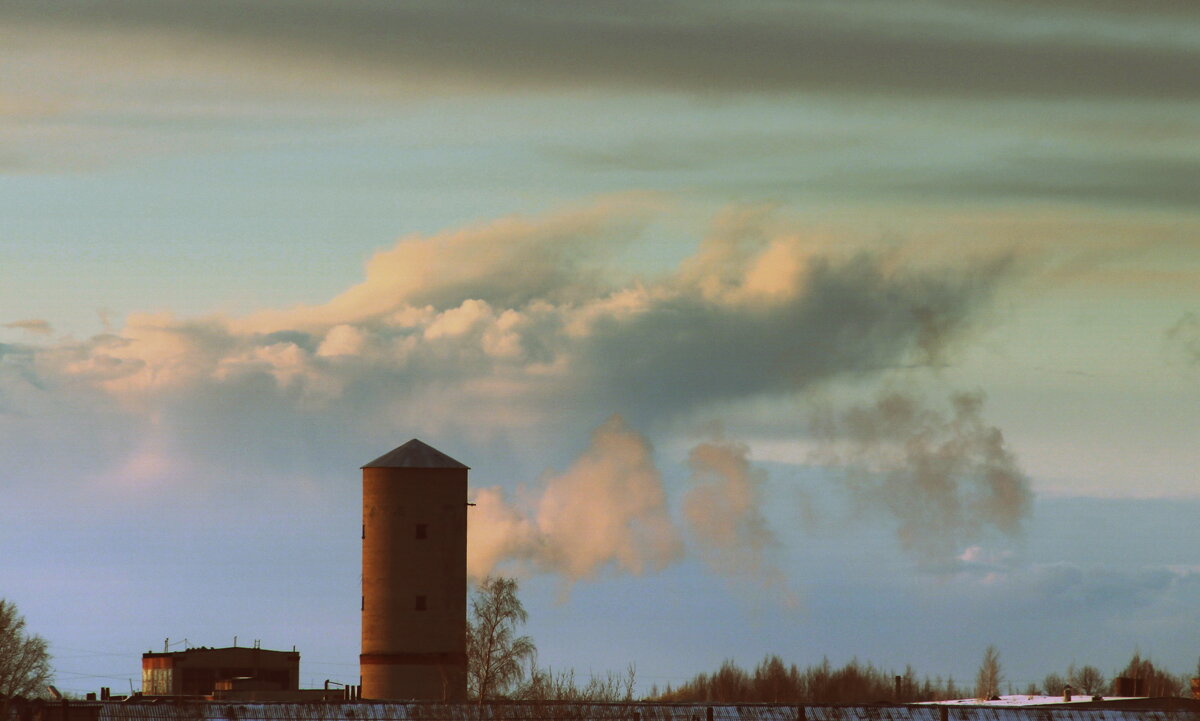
{"type": "Point", "coordinates": [518, 318]}
{"type": "Point", "coordinates": [518, 332]}
{"type": "Point", "coordinates": [935, 48]}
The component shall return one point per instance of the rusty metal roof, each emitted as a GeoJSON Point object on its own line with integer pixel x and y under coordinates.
{"type": "Point", "coordinates": [415, 454]}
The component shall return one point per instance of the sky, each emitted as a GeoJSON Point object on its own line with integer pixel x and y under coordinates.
{"type": "Point", "coordinates": [826, 329]}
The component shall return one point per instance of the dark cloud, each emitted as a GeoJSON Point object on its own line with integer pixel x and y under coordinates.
{"type": "Point", "coordinates": [763, 47]}
{"type": "Point", "coordinates": [849, 318]}
{"type": "Point", "coordinates": [1109, 181]}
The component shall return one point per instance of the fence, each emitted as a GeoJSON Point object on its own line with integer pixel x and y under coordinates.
{"type": "Point", "coordinates": [167, 710]}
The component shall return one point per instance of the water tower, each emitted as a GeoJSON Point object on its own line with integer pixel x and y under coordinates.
{"type": "Point", "coordinates": [414, 576]}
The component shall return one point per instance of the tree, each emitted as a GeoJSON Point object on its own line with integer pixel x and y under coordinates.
{"type": "Point", "coordinates": [1054, 684]}
{"type": "Point", "coordinates": [989, 678]}
{"type": "Point", "coordinates": [1154, 681]}
{"type": "Point", "coordinates": [1087, 680]}
{"type": "Point", "coordinates": [494, 652]}
{"type": "Point", "coordinates": [24, 661]}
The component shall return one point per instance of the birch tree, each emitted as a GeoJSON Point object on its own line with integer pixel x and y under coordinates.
{"type": "Point", "coordinates": [989, 678]}
{"type": "Point", "coordinates": [24, 661]}
{"type": "Point", "coordinates": [495, 654]}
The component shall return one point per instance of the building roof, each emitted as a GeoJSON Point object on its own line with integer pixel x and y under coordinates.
{"type": "Point", "coordinates": [211, 651]}
{"type": "Point", "coordinates": [1015, 700]}
{"type": "Point", "coordinates": [415, 454]}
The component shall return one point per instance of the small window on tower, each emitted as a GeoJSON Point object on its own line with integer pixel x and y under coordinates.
{"type": "Point", "coordinates": [420, 603]}
{"type": "Point", "coordinates": [422, 531]}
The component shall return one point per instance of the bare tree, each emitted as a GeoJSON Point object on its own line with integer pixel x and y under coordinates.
{"type": "Point", "coordinates": [24, 661]}
{"type": "Point", "coordinates": [989, 678]}
{"type": "Point", "coordinates": [494, 652]}
{"type": "Point", "coordinates": [1054, 684]}
{"type": "Point", "coordinates": [546, 684]}
{"type": "Point", "coordinates": [1087, 680]}
{"type": "Point", "coordinates": [1154, 681]}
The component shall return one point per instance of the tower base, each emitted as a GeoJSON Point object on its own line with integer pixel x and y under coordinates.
{"type": "Point", "coordinates": [414, 676]}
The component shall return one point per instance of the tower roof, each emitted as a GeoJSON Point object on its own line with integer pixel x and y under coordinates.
{"type": "Point", "coordinates": [415, 454]}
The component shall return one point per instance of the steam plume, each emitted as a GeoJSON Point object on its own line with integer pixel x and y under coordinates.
{"type": "Point", "coordinates": [947, 480]}
{"type": "Point", "coordinates": [723, 513]}
{"type": "Point", "coordinates": [608, 508]}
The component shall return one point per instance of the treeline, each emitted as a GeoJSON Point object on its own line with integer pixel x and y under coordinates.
{"type": "Point", "coordinates": [502, 664]}
{"type": "Point", "coordinates": [773, 681]}
{"type": "Point", "coordinates": [545, 684]}
{"type": "Point", "coordinates": [1150, 680]}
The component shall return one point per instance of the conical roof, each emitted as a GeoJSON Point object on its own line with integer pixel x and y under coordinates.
{"type": "Point", "coordinates": [415, 454]}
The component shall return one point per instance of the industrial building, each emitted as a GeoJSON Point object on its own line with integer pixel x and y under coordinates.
{"type": "Point", "coordinates": [203, 671]}
{"type": "Point", "coordinates": [414, 576]}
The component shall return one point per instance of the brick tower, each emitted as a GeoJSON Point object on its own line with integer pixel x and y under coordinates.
{"type": "Point", "coordinates": [414, 576]}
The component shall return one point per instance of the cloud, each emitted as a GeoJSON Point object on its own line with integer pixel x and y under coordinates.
{"type": "Point", "coordinates": [746, 317]}
{"type": "Point", "coordinates": [1151, 179]}
{"type": "Point", "coordinates": [947, 480]}
{"type": "Point", "coordinates": [1184, 338]}
{"type": "Point", "coordinates": [507, 262]}
{"type": "Point", "coordinates": [35, 326]}
{"type": "Point", "coordinates": [1098, 590]}
{"type": "Point", "coordinates": [933, 48]}
{"type": "Point", "coordinates": [512, 332]}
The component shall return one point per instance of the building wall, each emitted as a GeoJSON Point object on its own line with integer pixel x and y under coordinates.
{"type": "Point", "coordinates": [414, 603]}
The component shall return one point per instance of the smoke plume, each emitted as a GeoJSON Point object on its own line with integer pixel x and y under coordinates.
{"type": "Point", "coordinates": [948, 480]}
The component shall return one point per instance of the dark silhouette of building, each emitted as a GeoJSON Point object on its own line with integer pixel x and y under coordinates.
{"type": "Point", "coordinates": [414, 576]}
{"type": "Point", "coordinates": [200, 671]}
